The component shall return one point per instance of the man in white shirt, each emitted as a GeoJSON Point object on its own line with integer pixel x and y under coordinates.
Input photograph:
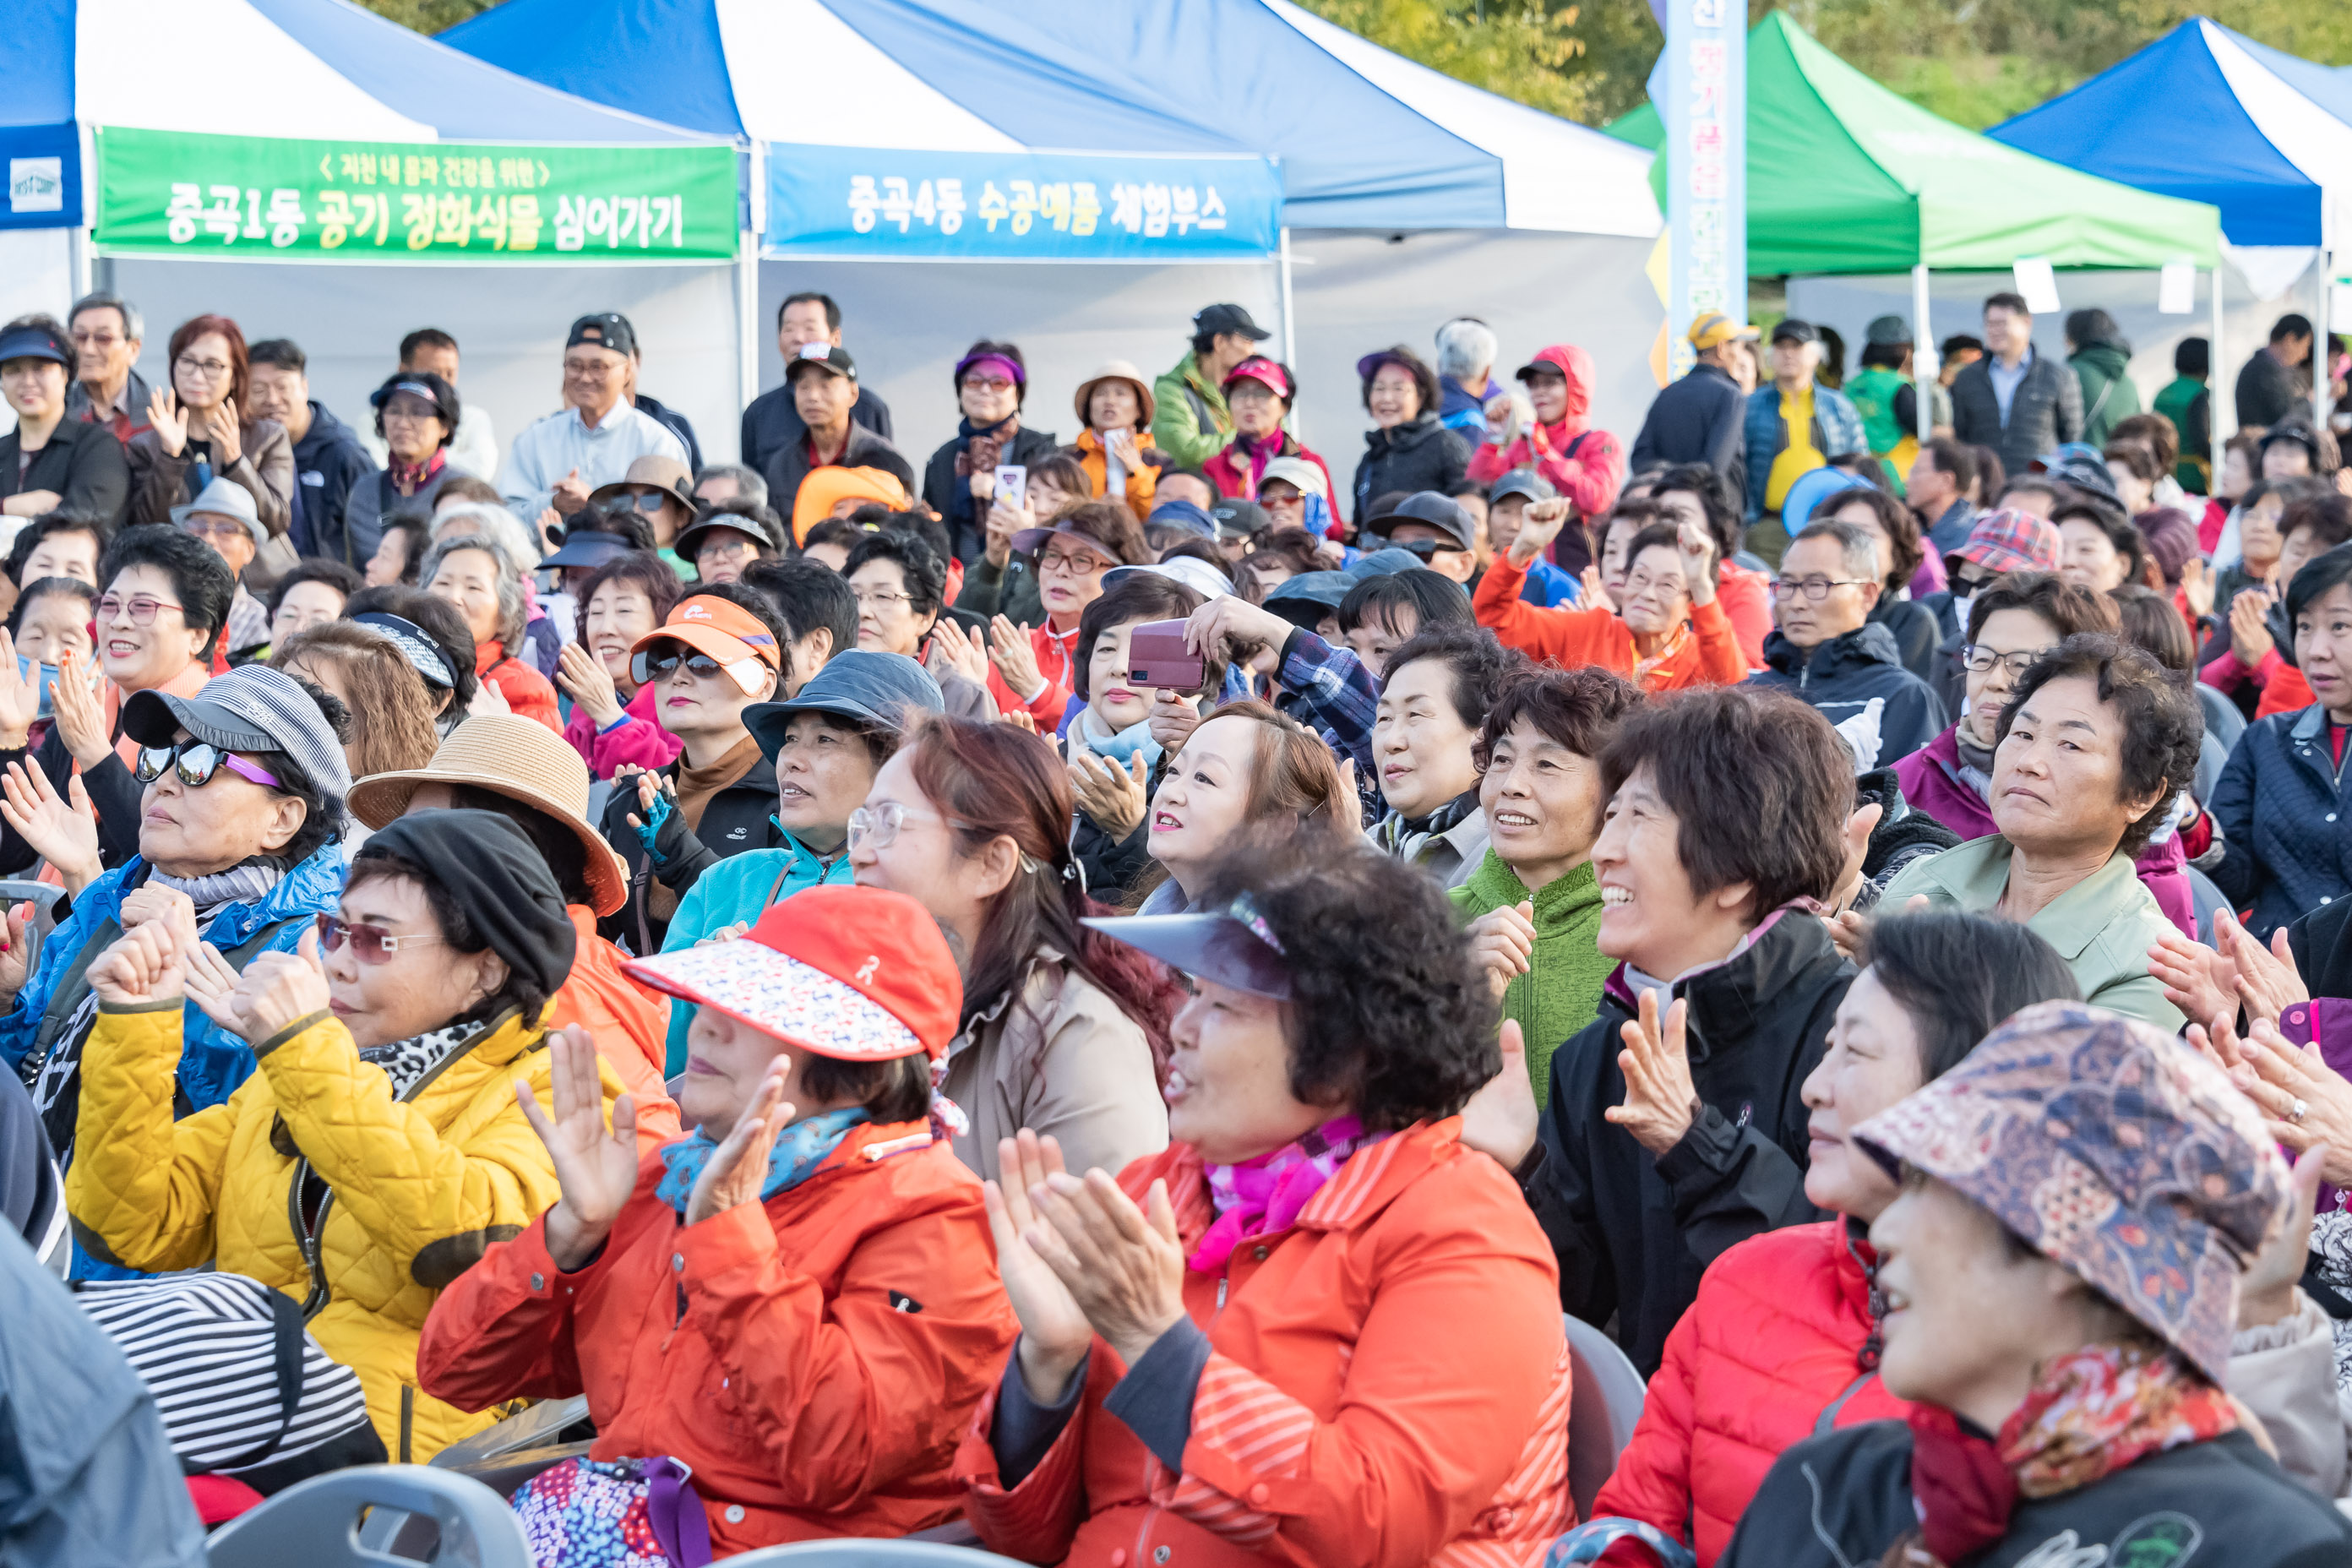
{"type": "Point", "coordinates": [558, 461]}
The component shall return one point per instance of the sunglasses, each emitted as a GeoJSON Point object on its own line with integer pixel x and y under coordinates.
{"type": "Point", "coordinates": [197, 762]}
{"type": "Point", "coordinates": [370, 945]}
{"type": "Point", "coordinates": [660, 664]}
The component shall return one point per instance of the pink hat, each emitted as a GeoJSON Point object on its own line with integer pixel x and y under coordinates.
{"type": "Point", "coordinates": [1266, 372]}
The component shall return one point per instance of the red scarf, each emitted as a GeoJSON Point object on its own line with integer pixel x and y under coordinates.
{"type": "Point", "coordinates": [410, 477]}
{"type": "Point", "coordinates": [2088, 1415]}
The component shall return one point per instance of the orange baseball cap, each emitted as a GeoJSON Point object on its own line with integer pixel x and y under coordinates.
{"type": "Point", "coordinates": [728, 633]}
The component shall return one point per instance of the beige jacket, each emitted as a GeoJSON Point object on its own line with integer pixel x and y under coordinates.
{"type": "Point", "coordinates": [1061, 1060]}
{"type": "Point", "coordinates": [2285, 1373]}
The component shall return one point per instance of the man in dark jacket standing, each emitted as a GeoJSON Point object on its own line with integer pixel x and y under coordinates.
{"type": "Point", "coordinates": [2020, 402]}
{"type": "Point", "coordinates": [2277, 382]}
{"type": "Point", "coordinates": [327, 458]}
{"type": "Point", "coordinates": [1697, 419]}
{"type": "Point", "coordinates": [822, 382]}
{"type": "Point", "coordinates": [1829, 654]}
{"type": "Point", "coordinates": [1727, 806]}
{"type": "Point", "coordinates": [772, 423]}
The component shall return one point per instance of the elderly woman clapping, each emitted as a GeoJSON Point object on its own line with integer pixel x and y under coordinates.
{"type": "Point", "coordinates": [1269, 1309]}
{"type": "Point", "coordinates": [379, 1150]}
{"type": "Point", "coordinates": [2094, 744]}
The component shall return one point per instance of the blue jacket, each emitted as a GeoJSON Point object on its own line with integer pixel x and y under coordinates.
{"type": "Point", "coordinates": [1549, 586]}
{"type": "Point", "coordinates": [736, 891]}
{"type": "Point", "coordinates": [1858, 683]}
{"type": "Point", "coordinates": [1837, 432]}
{"type": "Point", "coordinates": [1459, 408]}
{"type": "Point", "coordinates": [2285, 821]}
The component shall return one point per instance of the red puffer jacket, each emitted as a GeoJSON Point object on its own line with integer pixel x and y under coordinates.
{"type": "Point", "coordinates": [1766, 1357]}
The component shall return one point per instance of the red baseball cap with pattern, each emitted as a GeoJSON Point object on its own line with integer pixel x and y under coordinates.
{"type": "Point", "coordinates": [2011, 540]}
{"type": "Point", "coordinates": [860, 975]}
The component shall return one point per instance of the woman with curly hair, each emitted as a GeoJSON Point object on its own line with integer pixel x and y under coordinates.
{"type": "Point", "coordinates": [1271, 1308]}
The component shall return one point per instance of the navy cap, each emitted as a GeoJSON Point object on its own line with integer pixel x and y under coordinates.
{"type": "Point", "coordinates": [33, 340]}
{"type": "Point", "coordinates": [1231, 947]}
{"type": "Point", "coordinates": [1185, 515]}
{"type": "Point", "coordinates": [1521, 482]}
{"type": "Point", "coordinates": [1440, 511]}
{"type": "Point", "coordinates": [421, 383]}
{"type": "Point", "coordinates": [1382, 563]}
{"type": "Point", "coordinates": [1795, 331]}
{"type": "Point", "coordinates": [884, 688]}
{"type": "Point", "coordinates": [587, 547]}
{"type": "Point", "coordinates": [767, 535]}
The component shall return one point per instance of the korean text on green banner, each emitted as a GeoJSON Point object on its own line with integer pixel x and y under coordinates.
{"type": "Point", "coordinates": [883, 204]}
{"type": "Point", "coordinates": [254, 198]}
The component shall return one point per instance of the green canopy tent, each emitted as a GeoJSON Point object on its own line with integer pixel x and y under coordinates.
{"type": "Point", "coordinates": [1844, 175]}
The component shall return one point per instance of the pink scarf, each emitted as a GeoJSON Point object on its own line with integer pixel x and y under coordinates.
{"type": "Point", "coordinates": [1262, 1196]}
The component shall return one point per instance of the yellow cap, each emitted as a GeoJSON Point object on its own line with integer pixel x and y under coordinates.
{"type": "Point", "coordinates": [1713, 327]}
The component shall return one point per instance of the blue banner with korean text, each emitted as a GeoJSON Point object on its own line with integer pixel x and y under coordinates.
{"type": "Point", "coordinates": [883, 204]}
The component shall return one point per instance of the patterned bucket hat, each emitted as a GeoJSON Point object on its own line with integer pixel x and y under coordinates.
{"type": "Point", "coordinates": [2114, 1150]}
{"type": "Point", "coordinates": [2011, 540]}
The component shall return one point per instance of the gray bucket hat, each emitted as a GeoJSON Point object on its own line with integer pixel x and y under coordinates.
{"type": "Point", "coordinates": [224, 498]}
{"type": "Point", "coordinates": [251, 709]}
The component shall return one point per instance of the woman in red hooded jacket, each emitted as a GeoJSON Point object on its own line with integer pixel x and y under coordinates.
{"type": "Point", "coordinates": [1781, 1342]}
{"type": "Point", "coordinates": [1586, 464]}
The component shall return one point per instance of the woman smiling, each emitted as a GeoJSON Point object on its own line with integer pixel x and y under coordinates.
{"type": "Point", "coordinates": [613, 723]}
{"type": "Point", "coordinates": [477, 575]}
{"type": "Point", "coordinates": [1246, 770]}
{"type": "Point", "coordinates": [1667, 631]}
{"type": "Point", "coordinates": [1111, 752]}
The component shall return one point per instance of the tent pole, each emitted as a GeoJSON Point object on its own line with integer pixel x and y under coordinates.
{"type": "Point", "coordinates": [1289, 323]}
{"type": "Point", "coordinates": [1923, 353]}
{"type": "Point", "coordinates": [747, 323]}
{"type": "Point", "coordinates": [2320, 328]}
{"type": "Point", "coordinates": [78, 261]}
{"type": "Point", "coordinates": [2220, 392]}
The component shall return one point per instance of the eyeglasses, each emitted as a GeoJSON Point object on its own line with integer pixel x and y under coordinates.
{"type": "Point", "coordinates": [727, 547]}
{"type": "Point", "coordinates": [204, 526]}
{"type": "Point", "coordinates": [369, 944]}
{"type": "Point", "coordinates": [1976, 658]}
{"type": "Point", "coordinates": [1642, 582]}
{"type": "Point", "coordinates": [660, 663]}
{"type": "Point", "coordinates": [878, 597]}
{"type": "Point", "coordinates": [213, 368]}
{"type": "Point", "coordinates": [1815, 589]}
{"type": "Point", "coordinates": [1083, 563]}
{"type": "Point", "coordinates": [409, 410]}
{"type": "Point", "coordinates": [198, 761]}
{"type": "Point", "coordinates": [877, 827]}
{"type": "Point", "coordinates": [988, 384]}
{"type": "Point", "coordinates": [143, 608]}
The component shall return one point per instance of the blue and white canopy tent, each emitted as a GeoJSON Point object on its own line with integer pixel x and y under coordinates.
{"type": "Point", "coordinates": [1413, 198]}
{"type": "Point", "coordinates": [255, 116]}
{"type": "Point", "coordinates": [2207, 113]}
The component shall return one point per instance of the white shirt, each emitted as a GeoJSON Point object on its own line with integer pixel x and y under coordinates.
{"type": "Point", "coordinates": [545, 452]}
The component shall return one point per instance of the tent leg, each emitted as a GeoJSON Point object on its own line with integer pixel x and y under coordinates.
{"type": "Point", "coordinates": [1923, 352]}
{"type": "Point", "coordinates": [747, 324]}
{"type": "Point", "coordinates": [2320, 327]}
{"type": "Point", "coordinates": [1290, 321]}
{"type": "Point", "coordinates": [78, 261]}
{"type": "Point", "coordinates": [2221, 391]}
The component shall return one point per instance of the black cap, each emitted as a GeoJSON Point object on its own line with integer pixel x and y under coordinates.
{"type": "Point", "coordinates": [1793, 330]}
{"type": "Point", "coordinates": [1439, 511]}
{"type": "Point", "coordinates": [832, 356]}
{"type": "Point", "coordinates": [587, 547]}
{"type": "Point", "coordinates": [1240, 519]}
{"type": "Point", "coordinates": [32, 341]}
{"type": "Point", "coordinates": [767, 534]}
{"type": "Point", "coordinates": [1223, 318]}
{"type": "Point", "coordinates": [609, 328]}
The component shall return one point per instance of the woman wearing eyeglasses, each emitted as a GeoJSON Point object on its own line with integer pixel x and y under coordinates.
{"type": "Point", "coordinates": [416, 417]}
{"type": "Point", "coordinates": [166, 597]}
{"type": "Point", "coordinates": [991, 382]}
{"type": "Point", "coordinates": [718, 654]}
{"type": "Point", "coordinates": [238, 797]}
{"type": "Point", "coordinates": [382, 1145]}
{"type": "Point", "coordinates": [197, 433]}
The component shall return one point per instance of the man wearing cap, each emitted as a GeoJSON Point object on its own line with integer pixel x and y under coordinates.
{"type": "Point", "coordinates": [676, 424]}
{"type": "Point", "coordinates": [1697, 419]}
{"type": "Point", "coordinates": [773, 421]}
{"type": "Point", "coordinates": [661, 490]}
{"type": "Point", "coordinates": [559, 460]}
{"type": "Point", "coordinates": [1506, 510]}
{"type": "Point", "coordinates": [329, 461]}
{"type": "Point", "coordinates": [2014, 400]}
{"type": "Point", "coordinates": [50, 462]}
{"type": "Point", "coordinates": [1793, 427]}
{"type": "Point", "coordinates": [1436, 529]}
{"type": "Point", "coordinates": [1190, 421]}
{"type": "Point", "coordinates": [1581, 462]}
{"type": "Point", "coordinates": [223, 516]}
{"type": "Point", "coordinates": [1885, 394]}
{"type": "Point", "coordinates": [822, 381]}
{"type": "Point", "coordinates": [1240, 525]}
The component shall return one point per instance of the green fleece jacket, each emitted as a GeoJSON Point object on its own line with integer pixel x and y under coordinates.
{"type": "Point", "coordinates": [1182, 395]}
{"type": "Point", "coordinates": [1560, 992]}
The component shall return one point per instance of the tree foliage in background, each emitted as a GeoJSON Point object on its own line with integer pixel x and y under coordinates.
{"type": "Point", "coordinates": [428, 17]}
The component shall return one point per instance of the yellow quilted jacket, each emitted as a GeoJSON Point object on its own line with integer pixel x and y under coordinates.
{"type": "Point", "coordinates": [416, 1188]}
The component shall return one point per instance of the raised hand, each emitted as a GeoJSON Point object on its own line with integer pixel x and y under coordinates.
{"type": "Point", "coordinates": [1500, 1121]}
{"type": "Point", "coordinates": [1697, 553]}
{"type": "Point", "coordinates": [212, 987]}
{"type": "Point", "coordinates": [143, 965]}
{"type": "Point", "coordinates": [596, 1164]}
{"type": "Point", "coordinates": [1660, 1101]}
{"type": "Point", "coordinates": [1503, 945]}
{"type": "Point", "coordinates": [79, 713]}
{"type": "Point", "coordinates": [2307, 1103]}
{"type": "Point", "coordinates": [1055, 1333]}
{"type": "Point", "coordinates": [2250, 633]}
{"type": "Point", "coordinates": [170, 420]}
{"type": "Point", "coordinates": [1592, 595]}
{"type": "Point", "coordinates": [1004, 520]}
{"type": "Point", "coordinates": [20, 699]}
{"type": "Point", "coordinates": [2196, 979]}
{"type": "Point", "coordinates": [1015, 659]}
{"type": "Point", "coordinates": [14, 948]}
{"type": "Point", "coordinates": [1113, 796]}
{"type": "Point", "coordinates": [2197, 585]}
{"type": "Point", "coordinates": [953, 650]}
{"type": "Point", "coordinates": [1121, 1264]}
{"type": "Point", "coordinates": [740, 1168]}
{"type": "Point", "coordinates": [589, 684]}
{"type": "Point", "coordinates": [488, 701]}
{"type": "Point", "coordinates": [1019, 719]}
{"type": "Point", "coordinates": [1172, 719]}
{"type": "Point", "coordinates": [1229, 626]}
{"type": "Point", "coordinates": [1538, 526]}
{"type": "Point", "coordinates": [62, 832]}
{"type": "Point", "coordinates": [221, 430]}
{"type": "Point", "coordinates": [2268, 981]}
{"type": "Point", "coordinates": [279, 988]}
{"type": "Point", "coordinates": [570, 494]}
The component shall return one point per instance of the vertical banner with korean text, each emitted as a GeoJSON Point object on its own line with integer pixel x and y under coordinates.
{"type": "Point", "coordinates": [1705, 151]}
{"type": "Point", "coordinates": [252, 198]}
{"type": "Point", "coordinates": [883, 204]}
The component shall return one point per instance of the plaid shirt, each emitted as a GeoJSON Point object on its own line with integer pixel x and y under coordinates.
{"type": "Point", "coordinates": [1329, 690]}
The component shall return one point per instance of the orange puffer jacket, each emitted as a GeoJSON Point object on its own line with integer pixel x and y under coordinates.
{"type": "Point", "coordinates": [814, 1358]}
{"type": "Point", "coordinates": [1388, 1387]}
{"type": "Point", "coordinates": [1766, 1357]}
{"type": "Point", "coordinates": [629, 1024]}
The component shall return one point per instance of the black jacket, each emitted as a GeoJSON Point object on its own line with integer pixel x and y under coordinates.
{"type": "Point", "coordinates": [1419, 455]}
{"type": "Point", "coordinates": [1858, 683]}
{"type": "Point", "coordinates": [738, 817]}
{"type": "Point", "coordinates": [83, 463]}
{"type": "Point", "coordinates": [788, 464]}
{"type": "Point", "coordinates": [677, 424]}
{"type": "Point", "coordinates": [1632, 1233]}
{"type": "Point", "coordinates": [2270, 390]}
{"type": "Point", "coordinates": [1698, 419]}
{"type": "Point", "coordinates": [2045, 412]}
{"type": "Point", "coordinates": [1916, 635]}
{"type": "Point", "coordinates": [1843, 1499]}
{"type": "Point", "coordinates": [328, 462]}
{"type": "Point", "coordinates": [772, 423]}
{"type": "Point", "coordinates": [952, 496]}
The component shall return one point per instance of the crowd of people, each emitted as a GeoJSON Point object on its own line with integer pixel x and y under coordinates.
{"type": "Point", "coordinates": [1115, 996]}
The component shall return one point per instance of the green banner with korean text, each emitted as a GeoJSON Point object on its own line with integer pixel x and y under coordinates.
{"type": "Point", "coordinates": [254, 198]}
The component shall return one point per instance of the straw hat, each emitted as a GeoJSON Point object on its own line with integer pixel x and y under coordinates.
{"type": "Point", "coordinates": [1117, 369]}
{"type": "Point", "coordinates": [522, 760]}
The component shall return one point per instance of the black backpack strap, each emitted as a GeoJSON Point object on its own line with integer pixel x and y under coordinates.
{"type": "Point", "coordinates": [286, 1325]}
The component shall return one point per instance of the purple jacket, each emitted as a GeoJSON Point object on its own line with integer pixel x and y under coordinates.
{"type": "Point", "coordinates": [1931, 782]}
